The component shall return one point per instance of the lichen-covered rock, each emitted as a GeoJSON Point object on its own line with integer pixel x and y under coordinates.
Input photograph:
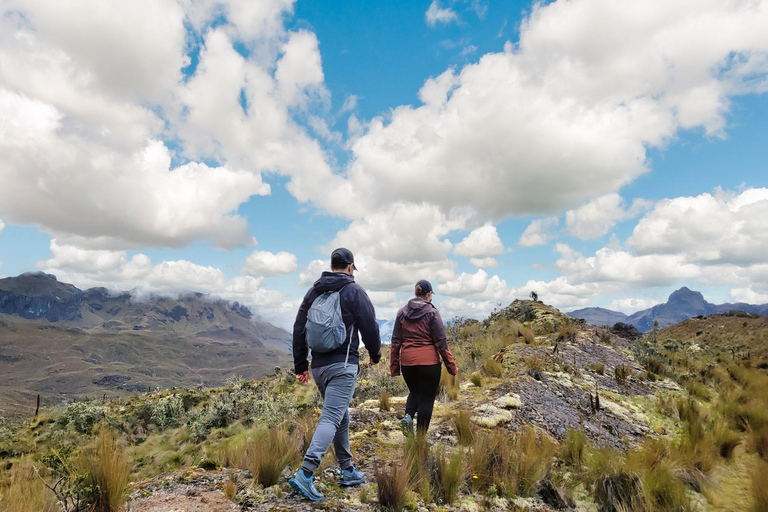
{"type": "Point", "coordinates": [488, 415]}
{"type": "Point", "coordinates": [510, 401]}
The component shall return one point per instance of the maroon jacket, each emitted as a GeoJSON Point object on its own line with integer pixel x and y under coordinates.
{"type": "Point", "coordinates": [419, 338]}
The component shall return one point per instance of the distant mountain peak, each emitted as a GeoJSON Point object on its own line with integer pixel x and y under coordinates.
{"type": "Point", "coordinates": [685, 294]}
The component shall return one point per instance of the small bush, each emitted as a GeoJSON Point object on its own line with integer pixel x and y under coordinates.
{"type": "Point", "coordinates": [605, 337]}
{"type": "Point", "coordinates": [476, 379]}
{"type": "Point", "coordinates": [384, 397]}
{"type": "Point", "coordinates": [527, 332]}
{"type": "Point", "coordinates": [758, 441]}
{"type": "Point", "coordinates": [622, 372]}
{"type": "Point", "coordinates": [463, 426]}
{"type": "Point", "coordinates": [698, 390]}
{"type": "Point", "coordinates": [392, 485]}
{"type": "Point", "coordinates": [598, 368]}
{"type": "Point", "coordinates": [536, 365]}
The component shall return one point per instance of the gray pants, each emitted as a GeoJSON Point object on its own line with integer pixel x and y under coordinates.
{"type": "Point", "coordinates": [336, 385]}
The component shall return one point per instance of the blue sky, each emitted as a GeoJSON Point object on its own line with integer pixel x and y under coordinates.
{"type": "Point", "coordinates": [600, 153]}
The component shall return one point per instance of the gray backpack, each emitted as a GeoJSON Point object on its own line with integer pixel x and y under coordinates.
{"type": "Point", "coordinates": [325, 327]}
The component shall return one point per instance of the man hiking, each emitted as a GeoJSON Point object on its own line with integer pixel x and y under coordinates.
{"type": "Point", "coordinates": [331, 315]}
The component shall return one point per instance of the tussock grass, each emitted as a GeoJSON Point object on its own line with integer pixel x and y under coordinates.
{"type": "Point", "coordinates": [476, 379]}
{"type": "Point", "coordinates": [463, 427]}
{"type": "Point", "coordinates": [25, 492]}
{"type": "Point", "coordinates": [572, 450]}
{"type": "Point", "coordinates": [106, 471]}
{"type": "Point", "coordinates": [450, 471]}
{"type": "Point", "coordinates": [598, 368]}
{"type": "Point", "coordinates": [567, 331]}
{"type": "Point", "coordinates": [493, 368]}
{"type": "Point", "coordinates": [449, 384]}
{"type": "Point", "coordinates": [230, 489]}
{"type": "Point", "coordinates": [384, 397]}
{"type": "Point", "coordinates": [513, 464]}
{"type": "Point", "coordinates": [759, 487]}
{"type": "Point", "coordinates": [622, 373]}
{"type": "Point", "coordinates": [392, 485]}
{"type": "Point", "coordinates": [265, 453]}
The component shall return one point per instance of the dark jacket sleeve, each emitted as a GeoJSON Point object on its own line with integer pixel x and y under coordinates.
{"type": "Point", "coordinates": [441, 341]}
{"type": "Point", "coordinates": [300, 349]}
{"type": "Point", "coordinates": [394, 347]}
{"type": "Point", "coordinates": [365, 320]}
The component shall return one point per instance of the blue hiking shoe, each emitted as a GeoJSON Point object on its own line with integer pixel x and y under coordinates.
{"type": "Point", "coordinates": [351, 476]}
{"type": "Point", "coordinates": [407, 425]}
{"type": "Point", "coordinates": [305, 485]}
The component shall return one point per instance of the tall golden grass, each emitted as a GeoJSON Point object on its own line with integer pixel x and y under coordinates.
{"type": "Point", "coordinates": [107, 471]}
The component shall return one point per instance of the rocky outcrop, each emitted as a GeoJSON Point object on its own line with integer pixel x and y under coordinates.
{"type": "Point", "coordinates": [39, 295]}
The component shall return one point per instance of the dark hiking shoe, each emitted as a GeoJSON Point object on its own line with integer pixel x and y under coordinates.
{"type": "Point", "coordinates": [351, 476]}
{"type": "Point", "coordinates": [407, 425]}
{"type": "Point", "coordinates": [305, 485]}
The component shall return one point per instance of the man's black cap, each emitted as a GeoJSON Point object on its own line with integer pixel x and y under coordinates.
{"type": "Point", "coordinates": [343, 255]}
{"type": "Point", "coordinates": [423, 287]}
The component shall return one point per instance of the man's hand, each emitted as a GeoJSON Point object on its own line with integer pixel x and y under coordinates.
{"type": "Point", "coordinates": [303, 377]}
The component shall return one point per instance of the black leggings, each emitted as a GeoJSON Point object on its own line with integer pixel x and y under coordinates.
{"type": "Point", "coordinates": [423, 384]}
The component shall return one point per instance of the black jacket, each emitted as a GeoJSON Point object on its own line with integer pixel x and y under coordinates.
{"type": "Point", "coordinates": [358, 315]}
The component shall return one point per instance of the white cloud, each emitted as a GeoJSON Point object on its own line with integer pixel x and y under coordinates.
{"type": "Point", "coordinates": [476, 286]}
{"type": "Point", "coordinates": [707, 229]}
{"type": "Point", "coordinates": [568, 114]}
{"type": "Point", "coordinates": [748, 295]}
{"type": "Point", "coordinates": [435, 14]}
{"type": "Point", "coordinates": [264, 263]}
{"type": "Point", "coordinates": [2, 226]}
{"type": "Point", "coordinates": [537, 232]}
{"type": "Point", "coordinates": [87, 268]}
{"type": "Point", "coordinates": [463, 308]}
{"type": "Point", "coordinates": [598, 217]}
{"type": "Point", "coordinates": [559, 292]}
{"type": "Point", "coordinates": [482, 242]}
{"type": "Point", "coordinates": [313, 271]}
{"type": "Point", "coordinates": [397, 246]}
{"type": "Point", "coordinates": [86, 106]}
{"type": "Point", "coordinates": [629, 306]}
{"type": "Point", "coordinates": [622, 268]}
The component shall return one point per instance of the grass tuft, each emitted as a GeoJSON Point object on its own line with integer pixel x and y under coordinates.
{"type": "Point", "coordinates": [106, 471]}
{"type": "Point", "coordinates": [384, 397]}
{"type": "Point", "coordinates": [463, 427]}
{"type": "Point", "coordinates": [392, 485]}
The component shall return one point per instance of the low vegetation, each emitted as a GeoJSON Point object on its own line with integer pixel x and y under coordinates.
{"type": "Point", "coordinates": [702, 414]}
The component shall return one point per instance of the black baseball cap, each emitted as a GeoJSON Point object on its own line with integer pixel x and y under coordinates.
{"type": "Point", "coordinates": [343, 255]}
{"type": "Point", "coordinates": [425, 286]}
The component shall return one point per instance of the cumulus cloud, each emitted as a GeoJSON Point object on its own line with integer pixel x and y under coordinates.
{"type": "Point", "coordinates": [748, 295]}
{"type": "Point", "coordinates": [264, 263]}
{"type": "Point", "coordinates": [436, 14]}
{"type": "Point", "coordinates": [399, 245]}
{"type": "Point", "coordinates": [117, 271]}
{"type": "Point", "coordinates": [621, 267]}
{"type": "Point", "coordinates": [590, 87]}
{"type": "Point", "coordinates": [629, 305]}
{"type": "Point", "coordinates": [2, 226]}
{"type": "Point", "coordinates": [708, 229]}
{"type": "Point", "coordinates": [600, 215]}
{"type": "Point", "coordinates": [86, 105]}
{"type": "Point", "coordinates": [537, 232]}
{"type": "Point", "coordinates": [481, 246]}
{"type": "Point", "coordinates": [463, 308]}
{"type": "Point", "coordinates": [477, 286]}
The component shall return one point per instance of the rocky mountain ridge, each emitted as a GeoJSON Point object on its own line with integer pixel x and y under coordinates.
{"type": "Point", "coordinates": [681, 305]}
{"type": "Point", "coordinates": [62, 342]}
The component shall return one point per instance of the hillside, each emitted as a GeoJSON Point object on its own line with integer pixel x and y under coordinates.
{"type": "Point", "coordinates": [65, 343]}
{"type": "Point", "coordinates": [681, 305]}
{"type": "Point", "coordinates": [548, 414]}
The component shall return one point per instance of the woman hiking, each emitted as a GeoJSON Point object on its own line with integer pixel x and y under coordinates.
{"type": "Point", "coordinates": [418, 344]}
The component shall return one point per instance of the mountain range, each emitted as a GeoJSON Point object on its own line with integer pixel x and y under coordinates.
{"type": "Point", "coordinates": [62, 342]}
{"type": "Point", "coordinates": [681, 305]}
